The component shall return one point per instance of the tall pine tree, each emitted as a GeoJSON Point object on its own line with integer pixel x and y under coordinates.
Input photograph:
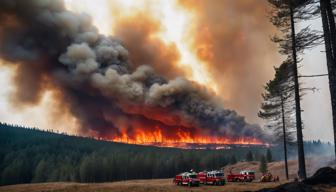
{"type": "Point", "coordinates": [329, 32]}
{"type": "Point", "coordinates": [285, 14]}
{"type": "Point", "coordinates": [278, 107]}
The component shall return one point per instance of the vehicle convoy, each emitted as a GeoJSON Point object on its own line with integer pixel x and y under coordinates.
{"type": "Point", "coordinates": [243, 176]}
{"type": "Point", "coordinates": [211, 177]}
{"type": "Point", "coordinates": [187, 178]}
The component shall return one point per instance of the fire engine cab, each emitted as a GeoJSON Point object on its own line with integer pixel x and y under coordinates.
{"type": "Point", "coordinates": [187, 178]}
{"type": "Point", "coordinates": [243, 176]}
{"type": "Point", "coordinates": [211, 177]}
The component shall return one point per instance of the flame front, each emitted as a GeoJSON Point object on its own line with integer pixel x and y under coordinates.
{"type": "Point", "coordinates": [156, 137]}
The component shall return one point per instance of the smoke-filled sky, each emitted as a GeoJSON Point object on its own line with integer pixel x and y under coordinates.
{"type": "Point", "coordinates": [122, 68]}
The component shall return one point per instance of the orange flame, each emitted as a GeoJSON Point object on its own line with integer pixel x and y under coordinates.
{"type": "Point", "coordinates": [181, 139]}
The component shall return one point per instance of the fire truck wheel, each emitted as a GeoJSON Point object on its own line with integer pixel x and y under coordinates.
{"type": "Point", "coordinates": [189, 184]}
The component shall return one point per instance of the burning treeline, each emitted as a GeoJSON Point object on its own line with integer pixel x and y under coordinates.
{"type": "Point", "coordinates": [111, 98]}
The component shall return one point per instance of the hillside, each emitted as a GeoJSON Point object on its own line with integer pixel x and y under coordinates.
{"type": "Point", "coordinates": [33, 156]}
{"type": "Point", "coordinates": [30, 155]}
{"type": "Point", "coordinates": [277, 168]}
{"type": "Point", "coordinates": [166, 185]}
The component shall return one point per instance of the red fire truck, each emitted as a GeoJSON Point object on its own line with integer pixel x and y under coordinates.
{"type": "Point", "coordinates": [187, 178]}
{"type": "Point", "coordinates": [243, 176]}
{"type": "Point", "coordinates": [211, 177]}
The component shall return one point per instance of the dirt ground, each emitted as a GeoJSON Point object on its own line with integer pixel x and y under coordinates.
{"type": "Point", "coordinates": [155, 185]}
{"type": "Point", "coordinates": [166, 185]}
{"type": "Point", "coordinates": [278, 168]}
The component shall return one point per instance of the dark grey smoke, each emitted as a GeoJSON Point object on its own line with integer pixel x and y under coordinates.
{"type": "Point", "coordinates": [56, 49]}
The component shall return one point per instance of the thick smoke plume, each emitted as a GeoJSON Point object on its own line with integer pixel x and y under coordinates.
{"type": "Point", "coordinates": [53, 48]}
{"type": "Point", "coordinates": [136, 32]}
{"type": "Point", "coordinates": [233, 38]}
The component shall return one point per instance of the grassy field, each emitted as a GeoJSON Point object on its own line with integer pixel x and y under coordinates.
{"type": "Point", "coordinates": [162, 185]}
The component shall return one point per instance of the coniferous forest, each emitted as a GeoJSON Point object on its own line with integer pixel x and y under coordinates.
{"type": "Point", "coordinates": [31, 155]}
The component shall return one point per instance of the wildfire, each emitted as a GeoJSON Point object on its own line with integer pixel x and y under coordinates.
{"type": "Point", "coordinates": [151, 28]}
{"type": "Point", "coordinates": [182, 139]}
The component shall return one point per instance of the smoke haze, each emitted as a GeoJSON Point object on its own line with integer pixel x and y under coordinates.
{"type": "Point", "coordinates": [115, 90]}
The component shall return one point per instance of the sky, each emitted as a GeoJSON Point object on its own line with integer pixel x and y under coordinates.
{"type": "Point", "coordinates": [316, 105]}
{"type": "Point", "coordinates": [174, 25]}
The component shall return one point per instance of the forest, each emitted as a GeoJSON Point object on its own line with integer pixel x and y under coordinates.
{"type": "Point", "coordinates": [28, 155]}
{"type": "Point", "coordinates": [93, 78]}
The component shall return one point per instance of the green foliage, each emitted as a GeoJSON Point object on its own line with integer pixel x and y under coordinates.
{"type": "Point", "coordinates": [18, 171]}
{"type": "Point", "coordinates": [233, 160]}
{"type": "Point", "coordinates": [28, 155]}
{"type": "Point", "coordinates": [269, 156]}
{"type": "Point", "coordinates": [278, 107]}
{"type": "Point", "coordinates": [41, 171]}
{"type": "Point", "coordinates": [263, 164]}
{"type": "Point", "coordinates": [249, 156]}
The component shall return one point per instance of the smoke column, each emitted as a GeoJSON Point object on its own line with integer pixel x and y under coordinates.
{"type": "Point", "coordinates": [55, 49]}
{"type": "Point", "coordinates": [230, 42]}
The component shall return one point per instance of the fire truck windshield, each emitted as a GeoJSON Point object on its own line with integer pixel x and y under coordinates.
{"type": "Point", "coordinates": [219, 174]}
{"type": "Point", "coordinates": [193, 176]}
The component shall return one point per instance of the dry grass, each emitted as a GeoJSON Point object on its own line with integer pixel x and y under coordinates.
{"type": "Point", "coordinates": [166, 185]}
{"type": "Point", "coordinates": [157, 185]}
{"type": "Point", "coordinates": [278, 168]}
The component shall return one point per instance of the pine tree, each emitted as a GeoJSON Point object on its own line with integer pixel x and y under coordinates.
{"type": "Point", "coordinates": [263, 165]}
{"type": "Point", "coordinates": [286, 13]}
{"type": "Point", "coordinates": [41, 172]}
{"type": "Point", "coordinates": [233, 160]}
{"type": "Point", "coordinates": [329, 31]}
{"type": "Point", "coordinates": [249, 156]}
{"type": "Point", "coordinates": [278, 107]}
{"type": "Point", "coordinates": [269, 156]}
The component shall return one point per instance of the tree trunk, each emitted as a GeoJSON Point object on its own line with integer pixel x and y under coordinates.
{"type": "Point", "coordinates": [284, 135]}
{"type": "Point", "coordinates": [301, 156]}
{"type": "Point", "coordinates": [330, 46]}
{"type": "Point", "coordinates": [331, 21]}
